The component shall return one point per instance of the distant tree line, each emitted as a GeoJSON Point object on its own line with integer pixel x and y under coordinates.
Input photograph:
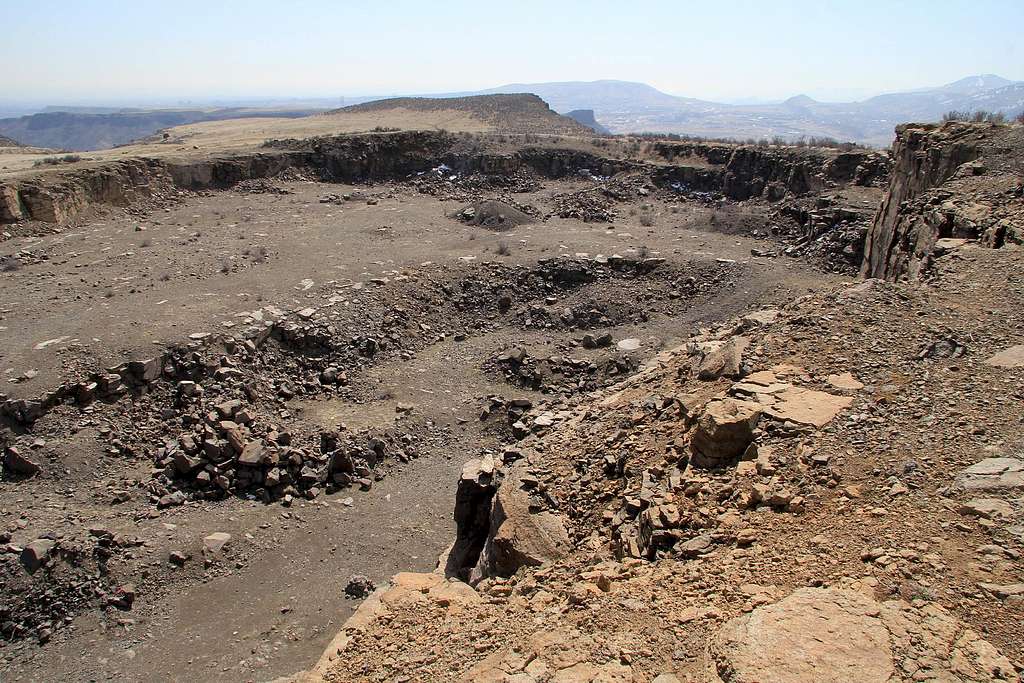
{"type": "Point", "coordinates": [981, 116]}
{"type": "Point", "coordinates": [775, 141]}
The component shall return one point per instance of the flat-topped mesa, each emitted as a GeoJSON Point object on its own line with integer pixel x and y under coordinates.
{"type": "Point", "coordinates": [950, 181]}
{"type": "Point", "coordinates": [506, 112]}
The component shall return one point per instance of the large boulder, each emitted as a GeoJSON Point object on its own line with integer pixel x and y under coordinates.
{"type": "Point", "coordinates": [35, 554]}
{"type": "Point", "coordinates": [16, 463]}
{"type": "Point", "coordinates": [520, 535]}
{"type": "Point", "coordinates": [831, 635]}
{"type": "Point", "coordinates": [992, 474]}
{"type": "Point", "coordinates": [723, 432]}
{"type": "Point", "coordinates": [715, 359]}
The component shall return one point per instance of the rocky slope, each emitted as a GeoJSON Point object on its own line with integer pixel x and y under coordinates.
{"type": "Point", "coordinates": [586, 117]}
{"type": "Point", "coordinates": [823, 492]}
{"type": "Point", "coordinates": [831, 490]}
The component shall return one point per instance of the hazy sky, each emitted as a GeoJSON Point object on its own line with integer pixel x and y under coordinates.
{"type": "Point", "coordinates": [64, 51]}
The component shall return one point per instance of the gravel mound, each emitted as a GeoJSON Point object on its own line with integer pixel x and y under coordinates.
{"type": "Point", "coordinates": [493, 214]}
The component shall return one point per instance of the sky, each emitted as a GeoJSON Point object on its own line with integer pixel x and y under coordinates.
{"type": "Point", "coordinates": [96, 51]}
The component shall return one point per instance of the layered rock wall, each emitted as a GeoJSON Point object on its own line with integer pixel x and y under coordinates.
{"type": "Point", "coordinates": [952, 181]}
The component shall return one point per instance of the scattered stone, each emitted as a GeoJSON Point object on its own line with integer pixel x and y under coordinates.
{"type": "Point", "coordinates": [807, 406]}
{"type": "Point", "coordinates": [987, 508]}
{"type": "Point", "coordinates": [630, 344]}
{"type": "Point", "coordinates": [37, 553]}
{"type": "Point", "coordinates": [123, 598]}
{"type": "Point", "coordinates": [18, 464]}
{"type": "Point", "coordinates": [833, 635]}
{"type": "Point", "coordinates": [845, 380]}
{"type": "Point", "coordinates": [992, 474]}
{"type": "Point", "coordinates": [215, 543]}
{"type": "Point", "coordinates": [359, 587]}
{"type": "Point", "coordinates": [1012, 357]}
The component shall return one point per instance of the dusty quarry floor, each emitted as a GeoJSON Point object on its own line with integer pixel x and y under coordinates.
{"type": "Point", "coordinates": [117, 285]}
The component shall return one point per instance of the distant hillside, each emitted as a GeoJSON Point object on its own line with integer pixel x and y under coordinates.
{"type": "Point", "coordinates": [7, 142]}
{"type": "Point", "coordinates": [627, 107]}
{"type": "Point", "coordinates": [586, 117]}
{"type": "Point", "coordinates": [512, 113]}
{"type": "Point", "coordinates": [87, 131]}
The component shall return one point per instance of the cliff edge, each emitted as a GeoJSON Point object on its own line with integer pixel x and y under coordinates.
{"type": "Point", "coordinates": [955, 181]}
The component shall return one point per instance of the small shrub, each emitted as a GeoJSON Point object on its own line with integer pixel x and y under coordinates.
{"type": "Point", "coordinates": [1019, 118]}
{"type": "Point", "coordinates": [54, 161]}
{"type": "Point", "coordinates": [504, 249]}
{"type": "Point", "coordinates": [9, 264]}
{"type": "Point", "coordinates": [225, 266]}
{"type": "Point", "coordinates": [164, 277]}
{"type": "Point", "coordinates": [643, 251]}
{"type": "Point", "coordinates": [261, 254]}
{"type": "Point", "coordinates": [647, 215]}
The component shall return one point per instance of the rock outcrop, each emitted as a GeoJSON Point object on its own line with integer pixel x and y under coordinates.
{"type": "Point", "coordinates": [738, 172]}
{"type": "Point", "coordinates": [521, 533]}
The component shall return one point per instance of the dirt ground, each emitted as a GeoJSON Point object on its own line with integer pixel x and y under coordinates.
{"type": "Point", "coordinates": [119, 285]}
{"type": "Point", "coordinates": [116, 285]}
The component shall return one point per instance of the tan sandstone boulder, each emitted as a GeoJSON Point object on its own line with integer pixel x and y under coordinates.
{"type": "Point", "coordinates": [518, 536]}
{"type": "Point", "coordinates": [831, 635]}
{"type": "Point", "coordinates": [723, 432]}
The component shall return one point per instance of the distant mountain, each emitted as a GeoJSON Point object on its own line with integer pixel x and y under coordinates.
{"type": "Point", "coordinates": [87, 131]}
{"type": "Point", "coordinates": [1008, 99]}
{"type": "Point", "coordinates": [618, 106]}
{"type": "Point", "coordinates": [598, 95]}
{"type": "Point", "coordinates": [627, 107]}
{"type": "Point", "coordinates": [972, 85]}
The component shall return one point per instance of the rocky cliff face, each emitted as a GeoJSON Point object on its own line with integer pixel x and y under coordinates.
{"type": "Point", "coordinates": [738, 172]}
{"type": "Point", "coordinates": [744, 172]}
{"type": "Point", "coordinates": [954, 181]}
